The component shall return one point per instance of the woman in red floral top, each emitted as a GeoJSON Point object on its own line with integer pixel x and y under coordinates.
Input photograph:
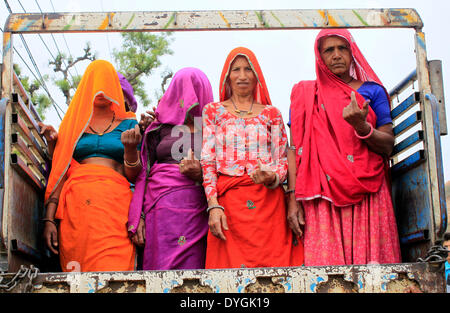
{"type": "Point", "coordinates": [244, 160]}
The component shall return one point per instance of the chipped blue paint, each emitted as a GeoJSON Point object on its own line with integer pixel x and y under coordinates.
{"type": "Point", "coordinates": [91, 288]}
{"type": "Point", "coordinates": [344, 21]}
{"type": "Point", "coordinates": [314, 285]}
{"type": "Point", "coordinates": [27, 25]}
{"type": "Point", "coordinates": [166, 290]}
{"type": "Point", "coordinates": [7, 47]}
{"type": "Point", "coordinates": [421, 43]}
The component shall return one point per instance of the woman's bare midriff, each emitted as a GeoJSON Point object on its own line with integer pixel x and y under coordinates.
{"type": "Point", "coordinates": [105, 162]}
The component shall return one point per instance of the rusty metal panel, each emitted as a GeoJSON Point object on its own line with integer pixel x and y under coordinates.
{"type": "Point", "coordinates": [389, 278]}
{"type": "Point", "coordinates": [211, 20]}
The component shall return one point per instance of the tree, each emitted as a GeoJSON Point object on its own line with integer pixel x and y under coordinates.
{"type": "Point", "coordinates": [33, 88]}
{"type": "Point", "coordinates": [139, 56]}
{"type": "Point", "coordinates": [63, 64]}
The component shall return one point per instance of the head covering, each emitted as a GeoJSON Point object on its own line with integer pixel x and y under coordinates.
{"type": "Point", "coordinates": [100, 77]}
{"type": "Point", "coordinates": [128, 92]}
{"type": "Point", "coordinates": [332, 162]}
{"type": "Point", "coordinates": [188, 93]}
{"type": "Point", "coordinates": [261, 93]}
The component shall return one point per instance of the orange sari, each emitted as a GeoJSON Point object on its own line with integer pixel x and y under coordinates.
{"type": "Point", "coordinates": [94, 201]}
{"type": "Point", "coordinates": [258, 234]}
{"type": "Point", "coordinates": [93, 209]}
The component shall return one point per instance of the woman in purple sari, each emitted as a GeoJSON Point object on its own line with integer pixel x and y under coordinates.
{"type": "Point", "coordinates": [168, 210]}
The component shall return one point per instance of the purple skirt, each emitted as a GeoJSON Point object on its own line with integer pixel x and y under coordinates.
{"type": "Point", "coordinates": [176, 223]}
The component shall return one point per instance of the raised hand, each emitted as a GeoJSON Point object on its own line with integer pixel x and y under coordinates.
{"type": "Point", "coordinates": [356, 116]}
{"type": "Point", "coordinates": [191, 167]}
{"type": "Point", "coordinates": [50, 134]}
{"type": "Point", "coordinates": [147, 119]}
{"type": "Point", "coordinates": [131, 138]}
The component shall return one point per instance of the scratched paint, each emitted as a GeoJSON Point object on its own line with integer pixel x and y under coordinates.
{"type": "Point", "coordinates": [331, 20]}
{"type": "Point", "coordinates": [224, 19]}
{"type": "Point", "coordinates": [69, 25]}
{"type": "Point", "coordinates": [276, 17]}
{"type": "Point", "coordinates": [360, 18]}
{"type": "Point", "coordinates": [6, 42]}
{"type": "Point", "coordinates": [127, 25]}
{"type": "Point", "coordinates": [171, 20]}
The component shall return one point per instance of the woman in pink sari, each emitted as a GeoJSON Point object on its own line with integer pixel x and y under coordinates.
{"type": "Point", "coordinates": [341, 137]}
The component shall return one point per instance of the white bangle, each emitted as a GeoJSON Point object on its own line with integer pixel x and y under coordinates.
{"type": "Point", "coordinates": [276, 183]}
{"type": "Point", "coordinates": [215, 207]}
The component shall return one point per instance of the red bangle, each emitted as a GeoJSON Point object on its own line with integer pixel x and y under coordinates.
{"type": "Point", "coordinates": [366, 136]}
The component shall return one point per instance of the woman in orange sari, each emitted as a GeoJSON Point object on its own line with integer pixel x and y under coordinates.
{"type": "Point", "coordinates": [243, 161]}
{"type": "Point", "coordinates": [88, 189]}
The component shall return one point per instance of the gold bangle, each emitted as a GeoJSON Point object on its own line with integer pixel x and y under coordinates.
{"type": "Point", "coordinates": [134, 164]}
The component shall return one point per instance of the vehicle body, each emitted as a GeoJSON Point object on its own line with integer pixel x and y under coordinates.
{"type": "Point", "coordinates": [416, 166]}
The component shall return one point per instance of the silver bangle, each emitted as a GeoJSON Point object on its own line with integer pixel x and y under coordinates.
{"type": "Point", "coordinates": [275, 184]}
{"type": "Point", "coordinates": [215, 207]}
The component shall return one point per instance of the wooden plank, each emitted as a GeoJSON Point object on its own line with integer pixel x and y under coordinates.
{"type": "Point", "coordinates": [20, 126]}
{"type": "Point", "coordinates": [22, 146]}
{"type": "Point", "coordinates": [211, 20]}
{"type": "Point", "coordinates": [21, 167]}
{"type": "Point", "coordinates": [21, 107]}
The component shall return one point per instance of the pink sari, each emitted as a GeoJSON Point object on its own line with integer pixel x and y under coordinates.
{"type": "Point", "coordinates": [340, 182]}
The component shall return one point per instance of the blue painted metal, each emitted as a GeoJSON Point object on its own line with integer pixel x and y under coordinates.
{"type": "Point", "coordinates": [408, 123]}
{"type": "Point", "coordinates": [442, 224]}
{"type": "Point", "coordinates": [408, 142]}
{"type": "Point", "coordinates": [409, 162]}
{"type": "Point", "coordinates": [412, 204]}
{"type": "Point", "coordinates": [403, 84]}
{"type": "Point", "coordinates": [405, 105]}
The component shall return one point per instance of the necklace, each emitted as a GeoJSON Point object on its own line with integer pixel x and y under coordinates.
{"type": "Point", "coordinates": [107, 128]}
{"type": "Point", "coordinates": [351, 79]}
{"type": "Point", "coordinates": [242, 111]}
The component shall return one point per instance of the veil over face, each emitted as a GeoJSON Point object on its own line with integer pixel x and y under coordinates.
{"type": "Point", "coordinates": [100, 77]}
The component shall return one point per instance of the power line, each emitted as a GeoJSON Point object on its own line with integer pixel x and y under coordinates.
{"type": "Point", "coordinates": [64, 37]}
{"type": "Point", "coordinates": [53, 40]}
{"type": "Point", "coordinates": [36, 68]}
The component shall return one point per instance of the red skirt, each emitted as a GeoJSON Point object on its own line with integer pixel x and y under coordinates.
{"type": "Point", "coordinates": [258, 235]}
{"type": "Point", "coordinates": [365, 233]}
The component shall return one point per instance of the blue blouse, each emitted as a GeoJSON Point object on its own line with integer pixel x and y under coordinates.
{"type": "Point", "coordinates": [108, 145]}
{"type": "Point", "coordinates": [378, 102]}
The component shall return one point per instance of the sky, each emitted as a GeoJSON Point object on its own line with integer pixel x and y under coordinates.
{"type": "Point", "coordinates": [286, 57]}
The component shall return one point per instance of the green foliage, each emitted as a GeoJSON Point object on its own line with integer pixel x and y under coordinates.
{"type": "Point", "coordinates": [62, 64]}
{"type": "Point", "coordinates": [35, 91]}
{"type": "Point", "coordinates": [139, 56]}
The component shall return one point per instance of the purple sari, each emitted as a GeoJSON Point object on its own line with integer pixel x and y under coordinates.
{"type": "Point", "coordinates": [176, 223]}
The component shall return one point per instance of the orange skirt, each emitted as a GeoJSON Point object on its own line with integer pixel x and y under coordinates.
{"type": "Point", "coordinates": [258, 235]}
{"type": "Point", "coordinates": [93, 209]}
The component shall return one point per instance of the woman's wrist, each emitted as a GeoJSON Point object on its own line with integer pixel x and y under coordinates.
{"type": "Point", "coordinates": [274, 183]}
